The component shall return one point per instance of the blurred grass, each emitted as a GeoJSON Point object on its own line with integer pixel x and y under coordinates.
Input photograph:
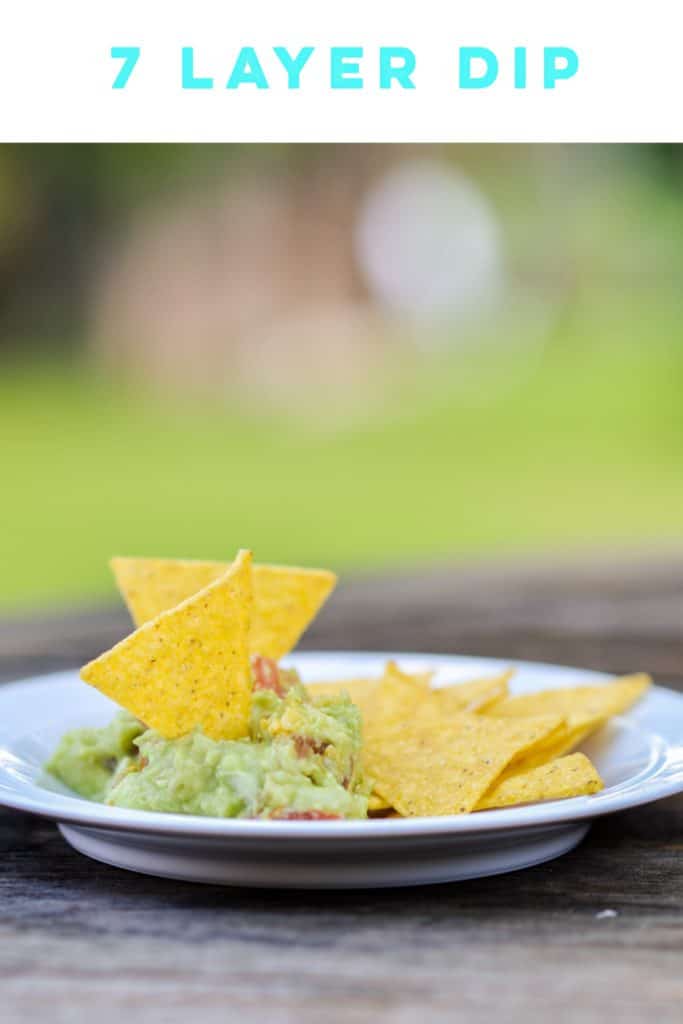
{"type": "Point", "coordinates": [586, 447]}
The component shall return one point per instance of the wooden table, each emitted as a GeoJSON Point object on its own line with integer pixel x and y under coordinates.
{"type": "Point", "coordinates": [595, 936]}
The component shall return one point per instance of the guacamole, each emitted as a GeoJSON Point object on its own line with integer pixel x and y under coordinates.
{"type": "Point", "coordinates": [300, 760]}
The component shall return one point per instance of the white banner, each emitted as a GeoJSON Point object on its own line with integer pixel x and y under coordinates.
{"type": "Point", "coordinates": [357, 71]}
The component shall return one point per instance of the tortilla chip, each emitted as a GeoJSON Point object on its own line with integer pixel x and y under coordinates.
{"type": "Point", "coordinates": [558, 780]}
{"type": "Point", "coordinates": [150, 586]}
{"type": "Point", "coordinates": [474, 696]}
{"type": "Point", "coordinates": [399, 694]}
{"type": "Point", "coordinates": [189, 666]}
{"type": "Point", "coordinates": [286, 599]}
{"type": "Point", "coordinates": [559, 743]}
{"type": "Point", "coordinates": [422, 770]}
{"type": "Point", "coordinates": [395, 674]}
{"type": "Point", "coordinates": [399, 691]}
{"type": "Point", "coordinates": [399, 697]}
{"type": "Point", "coordinates": [364, 686]}
{"type": "Point", "coordinates": [394, 700]}
{"type": "Point", "coordinates": [585, 706]}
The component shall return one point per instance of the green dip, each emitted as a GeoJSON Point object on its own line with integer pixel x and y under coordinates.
{"type": "Point", "coordinates": [301, 760]}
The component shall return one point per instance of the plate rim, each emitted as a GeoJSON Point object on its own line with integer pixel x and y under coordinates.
{"type": "Point", "coordinates": [75, 810]}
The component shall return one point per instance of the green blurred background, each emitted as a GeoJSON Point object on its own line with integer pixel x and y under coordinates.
{"type": "Point", "coordinates": [358, 356]}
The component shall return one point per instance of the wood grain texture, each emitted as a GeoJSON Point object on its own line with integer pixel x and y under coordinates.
{"type": "Point", "coordinates": [78, 938]}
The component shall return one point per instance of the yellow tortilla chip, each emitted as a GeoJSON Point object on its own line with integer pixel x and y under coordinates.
{"type": "Point", "coordinates": [150, 586]}
{"type": "Point", "coordinates": [569, 776]}
{"type": "Point", "coordinates": [399, 691]}
{"type": "Point", "coordinates": [398, 697]}
{"type": "Point", "coordinates": [584, 706]}
{"type": "Point", "coordinates": [189, 666]}
{"type": "Point", "coordinates": [422, 770]}
{"type": "Point", "coordinates": [394, 675]}
{"type": "Point", "coordinates": [561, 742]}
{"type": "Point", "coordinates": [477, 695]}
{"type": "Point", "coordinates": [286, 599]}
{"type": "Point", "coordinates": [437, 704]}
{"type": "Point", "coordinates": [362, 690]}
{"type": "Point", "coordinates": [394, 700]}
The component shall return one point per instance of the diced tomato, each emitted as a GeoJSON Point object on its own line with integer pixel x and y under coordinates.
{"type": "Point", "coordinates": [305, 746]}
{"type": "Point", "coordinates": [305, 816]}
{"type": "Point", "coordinates": [266, 675]}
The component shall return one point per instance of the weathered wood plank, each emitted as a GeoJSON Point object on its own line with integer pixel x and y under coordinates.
{"type": "Point", "coordinates": [78, 934]}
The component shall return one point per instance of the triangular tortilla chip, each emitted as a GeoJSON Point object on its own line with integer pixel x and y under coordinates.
{"type": "Point", "coordinates": [150, 586]}
{"type": "Point", "coordinates": [560, 743]}
{"type": "Point", "coordinates": [581, 706]}
{"type": "Point", "coordinates": [566, 777]}
{"type": "Point", "coordinates": [585, 709]}
{"type": "Point", "coordinates": [475, 695]}
{"type": "Point", "coordinates": [286, 599]}
{"type": "Point", "coordinates": [189, 666]}
{"type": "Point", "coordinates": [393, 700]}
{"type": "Point", "coordinates": [420, 770]}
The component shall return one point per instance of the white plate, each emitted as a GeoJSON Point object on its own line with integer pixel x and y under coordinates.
{"type": "Point", "coordinates": [640, 757]}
